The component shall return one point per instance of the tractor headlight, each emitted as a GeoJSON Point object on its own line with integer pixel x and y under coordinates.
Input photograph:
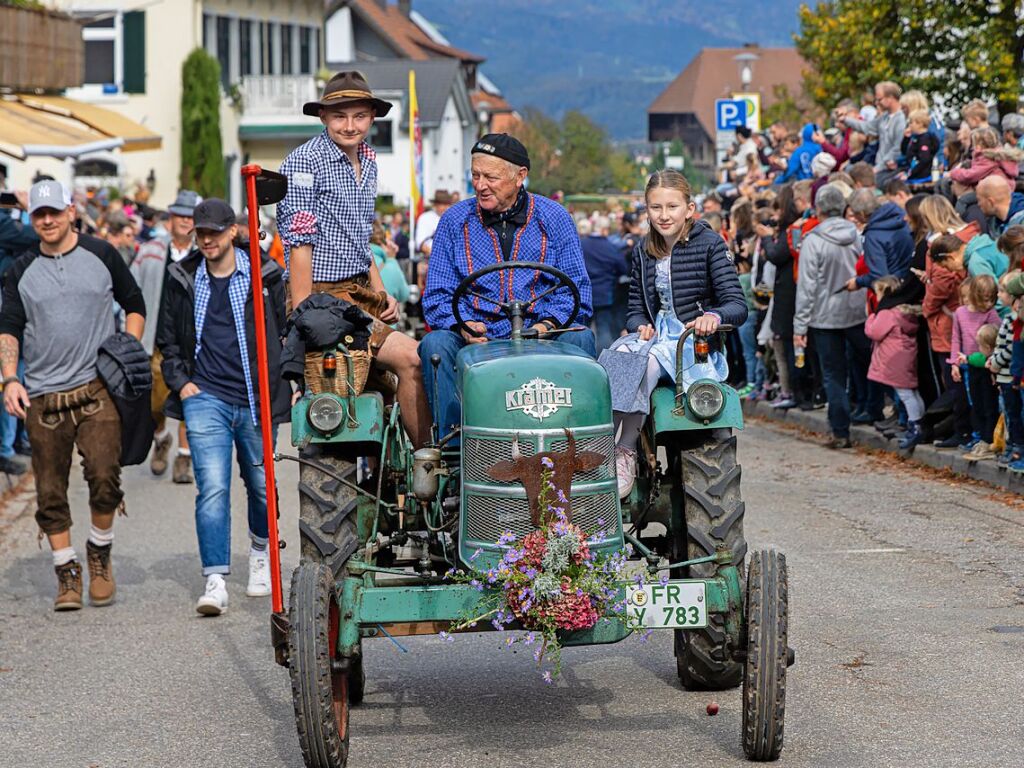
{"type": "Point", "coordinates": [706, 400]}
{"type": "Point", "coordinates": [325, 413]}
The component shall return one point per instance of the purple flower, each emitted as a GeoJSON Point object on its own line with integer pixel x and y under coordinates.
{"type": "Point", "coordinates": [663, 579]}
{"type": "Point", "coordinates": [547, 677]}
{"type": "Point", "coordinates": [562, 497]}
{"type": "Point", "coordinates": [475, 555]}
{"type": "Point", "coordinates": [475, 584]}
{"type": "Point", "coordinates": [537, 653]}
{"type": "Point", "coordinates": [510, 641]}
{"type": "Point", "coordinates": [547, 462]}
{"type": "Point", "coordinates": [646, 635]}
{"type": "Point", "coordinates": [639, 579]}
{"type": "Point", "coordinates": [507, 538]}
{"type": "Point", "coordinates": [601, 522]}
{"type": "Point", "coordinates": [446, 637]}
{"type": "Point", "coordinates": [529, 638]}
{"type": "Point", "coordinates": [498, 625]}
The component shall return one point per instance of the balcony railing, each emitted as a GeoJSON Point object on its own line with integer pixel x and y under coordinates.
{"type": "Point", "coordinates": [276, 95]}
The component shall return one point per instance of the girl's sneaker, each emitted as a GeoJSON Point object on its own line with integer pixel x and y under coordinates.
{"type": "Point", "coordinates": [1016, 466]}
{"type": "Point", "coordinates": [745, 390]}
{"type": "Point", "coordinates": [911, 437]}
{"type": "Point", "coordinates": [625, 469]}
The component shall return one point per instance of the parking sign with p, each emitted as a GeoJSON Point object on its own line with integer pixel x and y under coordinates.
{"type": "Point", "coordinates": [730, 114]}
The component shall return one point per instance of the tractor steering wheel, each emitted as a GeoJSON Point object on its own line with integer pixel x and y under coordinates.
{"type": "Point", "coordinates": [513, 310]}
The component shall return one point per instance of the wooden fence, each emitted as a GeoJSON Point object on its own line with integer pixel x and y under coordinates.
{"type": "Point", "coordinates": [40, 49]}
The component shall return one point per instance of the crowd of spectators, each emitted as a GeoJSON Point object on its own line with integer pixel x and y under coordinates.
{"type": "Point", "coordinates": [882, 263]}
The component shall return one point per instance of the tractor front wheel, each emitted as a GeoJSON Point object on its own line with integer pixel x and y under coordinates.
{"type": "Point", "coordinates": [764, 676]}
{"type": "Point", "coordinates": [320, 679]}
{"type": "Point", "coordinates": [708, 481]}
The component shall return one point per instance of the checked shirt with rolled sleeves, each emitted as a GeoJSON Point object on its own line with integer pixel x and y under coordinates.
{"type": "Point", "coordinates": [328, 208]}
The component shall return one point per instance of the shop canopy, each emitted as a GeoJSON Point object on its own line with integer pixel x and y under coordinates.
{"type": "Point", "coordinates": [56, 126]}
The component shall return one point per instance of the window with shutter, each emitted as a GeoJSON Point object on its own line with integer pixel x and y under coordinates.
{"type": "Point", "coordinates": [134, 58]}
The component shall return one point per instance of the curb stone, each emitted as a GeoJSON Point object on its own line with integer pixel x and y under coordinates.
{"type": "Point", "coordinates": [928, 455]}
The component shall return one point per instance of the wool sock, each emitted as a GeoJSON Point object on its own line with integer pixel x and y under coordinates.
{"type": "Point", "coordinates": [184, 452]}
{"type": "Point", "coordinates": [100, 537]}
{"type": "Point", "coordinates": [63, 556]}
{"type": "Point", "coordinates": [165, 432]}
{"type": "Point", "coordinates": [257, 547]}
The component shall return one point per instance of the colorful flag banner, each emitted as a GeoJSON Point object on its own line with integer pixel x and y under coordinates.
{"type": "Point", "coordinates": [416, 158]}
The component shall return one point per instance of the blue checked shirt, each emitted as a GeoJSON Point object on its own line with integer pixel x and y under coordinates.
{"type": "Point", "coordinates": [238, 289]}
{"type": "Point", "coordinates": [328, 208]}
{"type": "Point", "coordinates": [550, 229]}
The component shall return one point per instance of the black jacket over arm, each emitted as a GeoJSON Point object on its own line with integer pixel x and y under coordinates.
{"type": "Point", "coordinates": [176, 334]}
{"type": "Point", "coordinates": [704, 279]}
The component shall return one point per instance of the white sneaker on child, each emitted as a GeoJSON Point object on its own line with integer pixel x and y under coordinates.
{"type": "Point", "coordinates": [259, 574]}
{"type": "Point", "coordinates": [214, 601]}
{"type": "Point", "coordinates": [625, 469]}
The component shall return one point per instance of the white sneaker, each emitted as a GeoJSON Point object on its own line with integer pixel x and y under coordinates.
{"type": "Point", "coordinates": [215, 601]}
{"type": "Point", "coordinates": [259, 574]}
{"type": "Point", "coordinates": [625, 469]}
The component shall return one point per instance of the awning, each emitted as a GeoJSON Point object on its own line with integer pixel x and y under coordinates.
{"type": "Point", "coordinates": [54, 126]}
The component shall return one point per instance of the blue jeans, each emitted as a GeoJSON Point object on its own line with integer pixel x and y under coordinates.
{"type": "Point", "coordinates": [10, 427]}
{"type": "Point", "coordinates": [748, 338]}
{"type": "Point", "coordinates": [446, 410]}
{"type": "Point", "coordinates": [213, 426]}
{"type": "Point", "coordinates": [830, 346]}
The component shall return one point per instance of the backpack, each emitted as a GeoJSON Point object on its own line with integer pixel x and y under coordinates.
{"type": "Point", "coordinates": [795, 234]}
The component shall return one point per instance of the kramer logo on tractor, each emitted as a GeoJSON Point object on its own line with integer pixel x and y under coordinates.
{"type": "Point", "coordinates": [538, 398]}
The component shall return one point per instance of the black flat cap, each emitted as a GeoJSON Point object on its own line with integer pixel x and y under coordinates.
{"type": "Point", "coordinates": [214, 214]}
{"type": "Point", "coordinates": [504, 146]}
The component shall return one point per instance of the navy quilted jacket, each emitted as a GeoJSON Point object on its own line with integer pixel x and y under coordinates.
{"type": "Point", "coordinates": [703, 280]}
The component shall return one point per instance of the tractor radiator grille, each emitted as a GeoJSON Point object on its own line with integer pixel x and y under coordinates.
{"type": "Point", "coordinates": [480, 455]}
{"type": "Point", "coordinates": [488, 517]}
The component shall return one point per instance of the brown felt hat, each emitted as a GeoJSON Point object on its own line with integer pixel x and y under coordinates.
{"type": "Point", "coordinates": [441, 197]}
{"type": "Point", "coordinates": [346, 88]}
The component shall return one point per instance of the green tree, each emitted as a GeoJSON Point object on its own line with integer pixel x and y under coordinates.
{"type": "Point", "coordinates": [963, 50]}
{"type": "Point", "coordinates": [574, 155]}
{"type": "Point", "coordinates": [202, 157]}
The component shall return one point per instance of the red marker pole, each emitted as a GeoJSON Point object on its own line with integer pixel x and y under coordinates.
{"type": "Point", "coordinates": [249, 173]}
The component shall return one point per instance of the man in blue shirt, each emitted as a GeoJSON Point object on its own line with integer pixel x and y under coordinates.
{"type": "Point", "coordinates": [207, 336]}
{"type": "Point", "coordinates": [325, 222]}
{"type": "Point", "coordinates": [608, 266]}
{"type": "Point", "coordinates": [502, 223]}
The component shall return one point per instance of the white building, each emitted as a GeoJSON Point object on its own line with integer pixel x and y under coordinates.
{"type": "Point", "coordinates": [270, 54]}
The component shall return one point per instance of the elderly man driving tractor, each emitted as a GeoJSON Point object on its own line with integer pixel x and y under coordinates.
{"type": "Point", "coordinates": [504, 224]}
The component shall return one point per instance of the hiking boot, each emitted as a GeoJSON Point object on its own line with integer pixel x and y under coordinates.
{"type": "Point", "coordinates": [625, 470]}
{"type": "Point", "coordinates": [69, 587]}
{"type": "Point", "coordinates": [911, 437]}
{"type": "Point", "coordinates": [259, 574]}
{"type": "Point", "coordinates": [161, 450]}
{"type": "Point", "coordinates": [838, 443]}
{"type": "Point", "coordinates": [9, 466]}
{"type": "Point", "coordinates": [101, 575]}
{"type": "Point", "coordinates": [214, 601]}
{"type": "Point", "coordinates": [182, 472]}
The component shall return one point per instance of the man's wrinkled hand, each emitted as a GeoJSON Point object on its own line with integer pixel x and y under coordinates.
{"type": "Point", "coordinates": [477, 326]}
{"type": "Point", "coordinates": [390, 312]}
{"type": "Point", "coordinates": [16, 399]}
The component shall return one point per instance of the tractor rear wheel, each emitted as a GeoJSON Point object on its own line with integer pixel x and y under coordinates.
{"type": "Point", "coordinates": [320, 683]}
{"type": "Point", "coordinates": [709, 477]}
{"type": "Point", "coordinates": [764, 677]}
{"type": "Point", "coordinates": [327, 510]}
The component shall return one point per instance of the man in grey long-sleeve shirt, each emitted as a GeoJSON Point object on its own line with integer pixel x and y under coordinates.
{"type": "Point", "coordinates": [888, 126]}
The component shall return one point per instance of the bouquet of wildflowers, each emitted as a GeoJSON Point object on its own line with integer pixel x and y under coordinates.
{"type": "Point", "coordinates": [550, 581]}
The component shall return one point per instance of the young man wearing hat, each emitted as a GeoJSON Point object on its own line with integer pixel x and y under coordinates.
{"type": "Point", "coordinates": [207, 336]}
{"type": "Point", "coordinates": [326, 219]}
{"type": "Point", "coordinates": [150, 270]}
{"type": "Point", "coordinates": [58, 307]}
{"type": "Point", "coordinates": [502, 223]}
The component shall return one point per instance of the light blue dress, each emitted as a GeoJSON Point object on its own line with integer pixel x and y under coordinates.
{"type": "Point", "coordinates": [668, 329]}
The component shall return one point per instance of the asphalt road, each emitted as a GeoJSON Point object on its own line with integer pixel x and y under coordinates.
{"type": "Point", "coordinates": [906, 614]}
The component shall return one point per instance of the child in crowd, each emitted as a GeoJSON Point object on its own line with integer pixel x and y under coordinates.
{"type": "Point", "coordinates": [748, 331]}
{"type": "Point", "coordinates": [682, 277]}
{"type": "Point", "coordinates": [1010, 404]}
{"type": "Point", "coordinates": [979, 301]}
{"type": "Point", "coordinates": [919, 148]}
{"type": "Point", "coordinates": [893, 331]}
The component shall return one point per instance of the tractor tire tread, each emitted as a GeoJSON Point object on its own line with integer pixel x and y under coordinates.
{"type": "Point", "coordinates": [327, 528]}
{"type": "Point", "coordinates": [312, 589]}
{"type": "Point", "coordinates": [713, 510]}
{"type": "Point", "coordinates": [764, 680]}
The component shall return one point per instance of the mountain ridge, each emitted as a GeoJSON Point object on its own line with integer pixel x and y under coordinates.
{"type": "Point", "coordinates": [608, 59]}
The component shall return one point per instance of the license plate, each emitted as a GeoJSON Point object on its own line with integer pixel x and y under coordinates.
{"type": "Point", "coordinates": [673, 605]}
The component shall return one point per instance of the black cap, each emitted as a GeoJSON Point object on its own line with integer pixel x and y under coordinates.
{"type": "Point", "coordinates": [214, 214]}
{"type": "Point", "coordinates": [504, 146]}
